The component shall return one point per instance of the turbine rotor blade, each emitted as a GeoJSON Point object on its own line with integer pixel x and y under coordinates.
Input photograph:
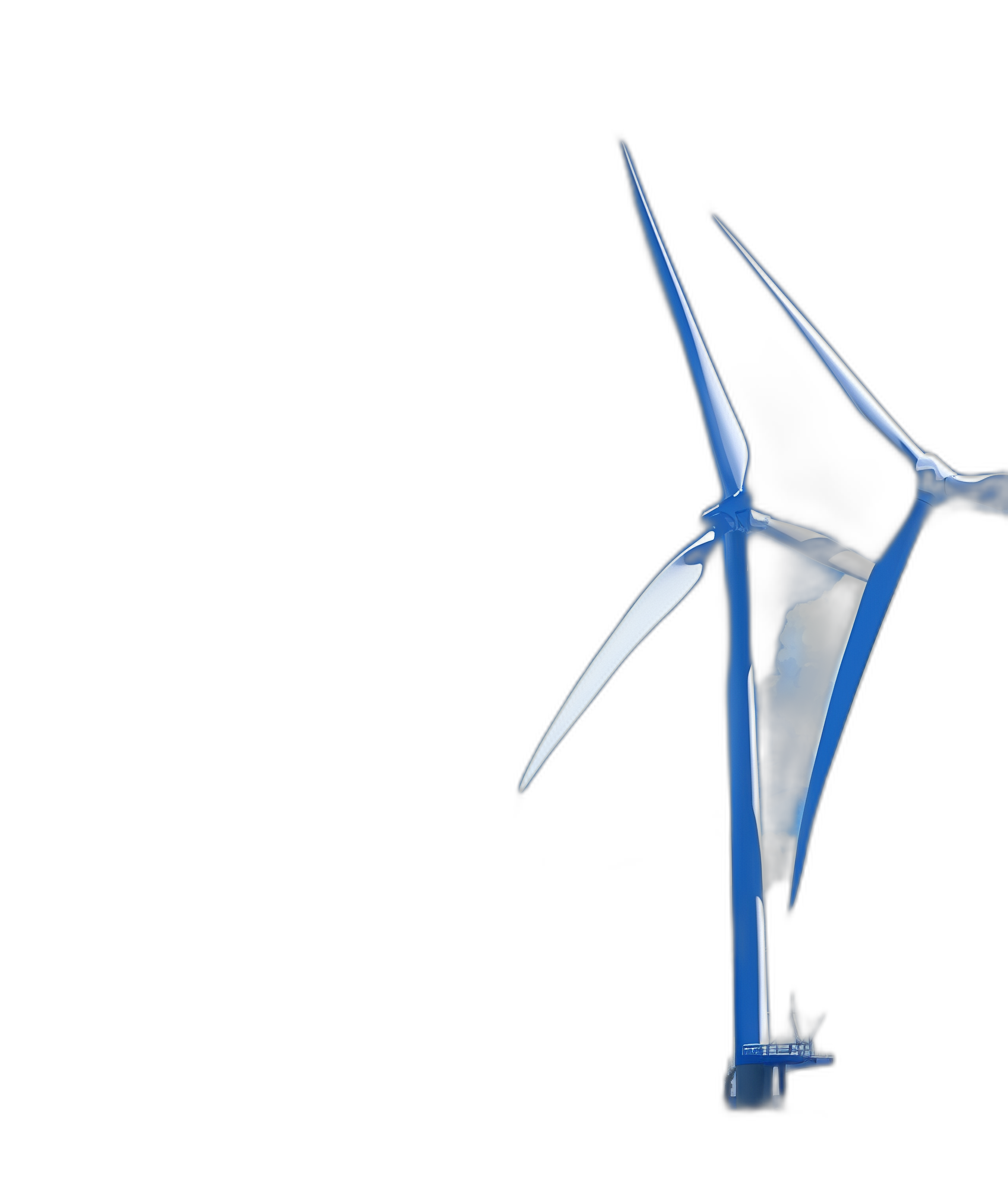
{"type": "Point", "coordinates": [820, 547]}
{"type": "Point", "coordinates": [658, 599]}
{"type": "Point", "coordinates": [867, 622]}
{"type": "Point", "coordinates": [857, 392]}
{"type": "Point", "coordinates": [987, 491]}
{"type": "Point", "coordinates": [731, 454]}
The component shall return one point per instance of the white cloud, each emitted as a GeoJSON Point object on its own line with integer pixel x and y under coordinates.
{"type": "Point", "coordinates": [793, 702]}
{"type": "Point", "coordinates": [778, 857]}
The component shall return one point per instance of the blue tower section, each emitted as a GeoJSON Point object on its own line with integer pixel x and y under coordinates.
{"type": "Point", "coordinates": [748, 923]}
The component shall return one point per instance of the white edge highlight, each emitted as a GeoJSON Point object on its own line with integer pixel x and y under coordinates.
{"type": "Point", "coordinates": [752, 761]}
{"type": "Point", "coordinates": [764, 1015]}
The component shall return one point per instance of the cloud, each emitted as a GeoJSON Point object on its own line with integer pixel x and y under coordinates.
{"type": "Point", "coordinates": [794, 701]}
{"type": "Point", "coordinates": [778, 857]}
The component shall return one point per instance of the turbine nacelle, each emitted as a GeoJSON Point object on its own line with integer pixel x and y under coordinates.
{"type": "Point", "coordinates": [733, 513]}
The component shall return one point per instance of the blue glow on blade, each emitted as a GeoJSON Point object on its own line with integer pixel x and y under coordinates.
{"type": "Point", "coordinates": [731, 455]}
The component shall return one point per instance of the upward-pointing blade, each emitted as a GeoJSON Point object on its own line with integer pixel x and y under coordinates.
{"type": "Point", "coordinates": [859, 394]}
{"type": "Point", "coordinates": [655, 603]}
{"type": "Point", "coordinates": [727, 440]}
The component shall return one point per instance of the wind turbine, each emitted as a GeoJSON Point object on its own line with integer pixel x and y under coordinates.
{"type": "Point", "coordinates": [756, 1062]}
{"type": "Point", "coordinates": [936, 483]}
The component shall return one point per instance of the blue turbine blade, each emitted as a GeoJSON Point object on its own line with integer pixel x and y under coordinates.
{"type": "Point", "coordinates": [867, 623]}
{"type": "Point", "coordinates": [731, 455]}
{"type": "Point", "coordinates": [857, 392]}
{"type": "Point", "coordinates": [654, 604]}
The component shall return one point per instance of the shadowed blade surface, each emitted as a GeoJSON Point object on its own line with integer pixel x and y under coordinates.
{"type": "Point", "coordinates": [820, 547]}
{"type": "Point", "coordinates": [871, 612]}
{"type": "Point", "coordinates": [731, 455]}
{"type": "Point", "coordinates": [859, 394]}
{"type": "Point", "coordinates": [657, 600]}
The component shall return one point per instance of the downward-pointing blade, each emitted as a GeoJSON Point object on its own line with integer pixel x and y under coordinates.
{"type": "Point", "coordinates": [859, 394]}
{"type": "Point", "coordinates": [731, 455]}
{"type": "Point", "coordinates": [657, 600]}
{"type": "Point", "coordinates": [871, 612]}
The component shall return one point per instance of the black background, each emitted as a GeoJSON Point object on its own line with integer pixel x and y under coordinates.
{"type": "Point", "coordinates": [586, 921]}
